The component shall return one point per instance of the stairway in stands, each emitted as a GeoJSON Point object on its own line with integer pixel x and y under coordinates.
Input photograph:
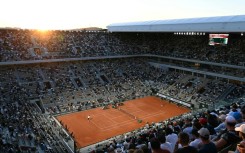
{"type": "Point", "coordinates": [226, 92]}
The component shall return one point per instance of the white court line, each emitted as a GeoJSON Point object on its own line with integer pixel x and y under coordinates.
{"type": "Point", "coordinates": [144, 117]}
{"type": "Point", "coordinates": [130, 121]}
{"type": "Point", "coordinates": [118, 116]}
{"type": "Point", "coordinates": [150, 115]}
{"type": "Point", "coordinates": [124, 122]}
{"type": "Point", "coordinates": [115, 116]}
{"type": "Point", "coordinates": [101, 128]}
{"type": "Point", "coordinates": [117, 125]}
{"type": "Point", "coordinates": [120, 123]}
{"type": "Point", "coordinates": [95, 125]}
{"type": "Point", "coordinates": [113, 125]}
{"type": "Point", "coordinates": [125, 114]}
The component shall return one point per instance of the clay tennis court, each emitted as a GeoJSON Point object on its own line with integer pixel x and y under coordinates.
{"type": "Point", "coordinates": [111, 122]}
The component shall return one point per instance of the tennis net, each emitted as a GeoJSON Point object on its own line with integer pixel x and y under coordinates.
{"type": "Point", "coordinates": [129, 114]}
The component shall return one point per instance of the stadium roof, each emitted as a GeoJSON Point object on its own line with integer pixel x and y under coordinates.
{"type": "Point", "coordinates": [205, 24]}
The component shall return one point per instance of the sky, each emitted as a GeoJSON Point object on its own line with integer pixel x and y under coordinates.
{"type": "Point", "coordinates": [72, 14]}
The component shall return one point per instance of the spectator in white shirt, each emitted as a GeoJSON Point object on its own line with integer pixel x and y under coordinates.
{"type": "Point", "coordinates": [171, 137]}
{"type": "Point", "coordinates": [221, 126]}
{"type": "Point", "coordinates": [165, 145]}
{"type": "Point", "coordinates": [197, 140]}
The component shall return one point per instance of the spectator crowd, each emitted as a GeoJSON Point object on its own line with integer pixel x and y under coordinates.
{"type": "Point", "coordinates": [20, 45]}
{"type": "Point", "coordinates": [31, 94]}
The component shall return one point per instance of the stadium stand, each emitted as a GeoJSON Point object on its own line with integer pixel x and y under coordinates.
{"type": "Point", "coordinates": [59, 72]}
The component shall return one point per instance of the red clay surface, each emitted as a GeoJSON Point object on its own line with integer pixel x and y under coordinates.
{"type": "Point", "coordinates": [111, 122]}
